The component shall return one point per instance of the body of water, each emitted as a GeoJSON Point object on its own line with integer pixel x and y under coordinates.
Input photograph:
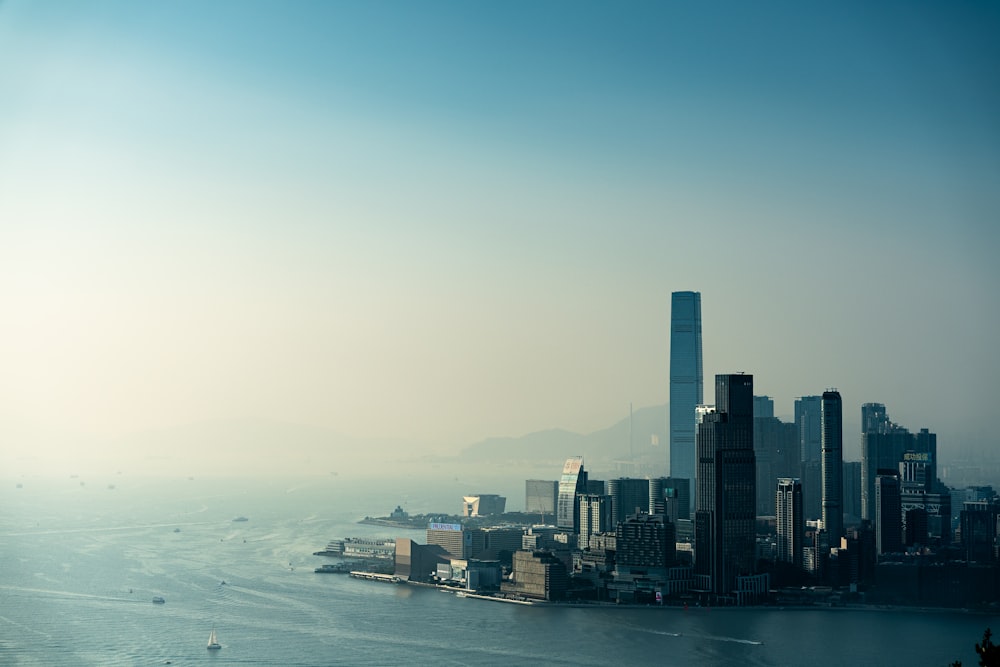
{"type": "Point", "coordinates": [80, 564]}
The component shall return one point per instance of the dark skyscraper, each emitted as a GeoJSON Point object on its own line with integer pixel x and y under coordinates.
{"type": "Point", "coordinates": [874, 418]}
{"type": "Point", "coordinates": [686, 380]}
{"type": "Point", "coordinates": [671, 497]}
{"type": "Point", "coordinates": [725, 517]}
{"type": "Point", "coordinates": [882, 449]}
{"type": "Point", "coordinates": [628, 496]}
{"type": "Point", "coordinates": [776, 449]}
{"type": "Point", "coordinates": [889, 511]}
{"type": "Point", "coordinates": [833, 465]}
{"type": "Point", "coordinates": [807, 419]}
{"type": "Point", "coordinates": [852, 490]}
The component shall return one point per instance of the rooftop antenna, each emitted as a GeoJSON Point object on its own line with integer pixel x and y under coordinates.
{"type": "Point", "coordinates": [631, 452]}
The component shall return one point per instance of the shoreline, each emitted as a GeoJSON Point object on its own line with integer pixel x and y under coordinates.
{"type": "Point", "coordinates": [462, 593]}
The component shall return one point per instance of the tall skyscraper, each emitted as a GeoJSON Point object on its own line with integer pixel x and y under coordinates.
{"type": "Point", "coordinates": [763, 406]}
{"type": "Point", "coordinates": [883, 445]}
{"type": "Point", "coordinates": [790, 521]}
{"type": "Point", "coordinates": [572, 482]}
{"type": "Point", "coordinates": [807, 418]}
{"type": "Point", "coordinates": [776, 449]}
{"type": "Point", "coordinates": [874, 418]}
{"type": "Point", "coordinates": [833, 465]}
{"type": "Point", "coordinates": [725, 517]}
{"type": "Point", "coordinates": [926, 443]}
{"type": "Point", "coordinates": [595, 517]}
{"type": "Point", "coordinates": [852, 490]}
{"type": "Point", "coordinates": [686, 380]}
{"type": "Point", "coordinates": [889, 511]}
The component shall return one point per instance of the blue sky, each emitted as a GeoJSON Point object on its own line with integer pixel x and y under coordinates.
{"type": "Point", "coordinates": [450, 220]}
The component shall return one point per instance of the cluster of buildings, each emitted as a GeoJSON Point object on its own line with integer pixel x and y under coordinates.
{"type": "Point", "coordinates": [753, 508]}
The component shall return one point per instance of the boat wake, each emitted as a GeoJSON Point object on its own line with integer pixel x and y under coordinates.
{"type": "Point", "coordinates": [735, 640]}
{"type": "Point", "coordinates": [663, 633]}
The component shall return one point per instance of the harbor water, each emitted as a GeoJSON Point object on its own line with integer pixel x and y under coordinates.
{"type": "Point", "coordinates": [81, 561]}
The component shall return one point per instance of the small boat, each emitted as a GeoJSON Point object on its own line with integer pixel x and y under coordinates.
{"type": "Point", "coordinates": [156, 600]}
{"type": "Point", "coordinates": [241, 519]}
{"type": "Point", "coordinates": [213, 642]}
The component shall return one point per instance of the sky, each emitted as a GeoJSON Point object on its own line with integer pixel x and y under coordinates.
{"type": "Point", "coordinates": [442, 221]}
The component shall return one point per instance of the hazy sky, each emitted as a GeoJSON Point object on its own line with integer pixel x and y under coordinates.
{"type": "Point", "coordinates": [451, 220]}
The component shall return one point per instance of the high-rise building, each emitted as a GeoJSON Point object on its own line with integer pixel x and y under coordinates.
{"type": "Point", "coordinates": [790, 521]}
{"type": "Point", "coordinates": [832, 464]}
{"type": "Point", "coordinates": [725, 517]}
{"type": "Point", "coordinates": [572, 482]}
{"type": "Point", "coordinates": [763, 406]}
{"type": "Point", "coordinates": [628, 495]}
{"type": "Point", "coordinates": [645, 541]}
{"type": "Point", "coordinates": [852, 491]}
{"type": "Point", "coordinates": [776, 448]}
{"type": "Point", "coordinates": [880, 451]}
{"type": "Point", "coordinates": [926, 506]}
{"type": "Point", "coordinates": [671, 497]}
{"type": "Point", "coordinates": [889, 515]}
{"type": "Point", "coordinates": [883, 447]}
{"type": "Point", "coordinates": [925, 442]}
{"type": "Point", "coordinates": [874, 418]}
{"type": "Point", "coordinates": [812, 490]}
{"type": "Point", "coordinates": [595, 517]}
{"type": "Point", "coordinates": [686, 380]}
{"type": "Point", "coordinates": [808, 420]}
{"type": "Point", "coordinates": [448, 536]}
{"type": "Point", "coordinates": [540, 496]}
{"type": "Point", "coordinates": [978, 523]}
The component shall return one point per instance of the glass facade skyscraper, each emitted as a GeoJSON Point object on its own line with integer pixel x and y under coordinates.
{"type": "Point", "coordinates": [833, 465]}
{"type": "Point", "coordinates": [686, 380]}
{"type": "Point", "coordinates": [572, 482]}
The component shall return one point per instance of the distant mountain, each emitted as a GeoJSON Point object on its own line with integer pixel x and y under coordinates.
{"type": "Point", "coordinates": [249, 447]}
{"type": "Point", "coordinates": [260, 447]}
{"type": "Point", "coordinates": [600, 449]}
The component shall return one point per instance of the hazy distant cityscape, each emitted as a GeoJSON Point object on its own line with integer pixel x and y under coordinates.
{"type": "Point", "coordinates": [319, 316]}
{"type": "Point", "coordinates": [753, 510]}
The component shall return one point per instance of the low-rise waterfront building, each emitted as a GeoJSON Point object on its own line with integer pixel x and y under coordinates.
{"type": "Point", "coordinates": [418, 562]}
{"type": "Point", "coordinates": [471, 574]}
{"type": "Point", "coordinates": [484, 504]}
{"type": "Point", "coordinates": [539, 575]}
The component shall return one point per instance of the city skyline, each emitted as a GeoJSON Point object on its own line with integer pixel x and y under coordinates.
{"type": "Point", "coordinates": [435, 224]}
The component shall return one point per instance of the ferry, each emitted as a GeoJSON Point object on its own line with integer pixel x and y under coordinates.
{"type": "Point", "coordinates": [336, 568]}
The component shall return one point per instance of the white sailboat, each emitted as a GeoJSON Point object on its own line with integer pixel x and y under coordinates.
{"type": "Point", "coordinates": [213, 642]}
